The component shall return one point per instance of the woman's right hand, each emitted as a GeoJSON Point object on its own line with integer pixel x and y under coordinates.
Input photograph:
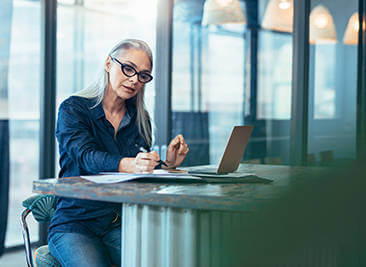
{"type": "Point", "coordinates": [143, 163]}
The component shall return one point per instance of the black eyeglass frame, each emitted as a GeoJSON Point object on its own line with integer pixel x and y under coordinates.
{"type": "Point", "coordinates": [135, 71]}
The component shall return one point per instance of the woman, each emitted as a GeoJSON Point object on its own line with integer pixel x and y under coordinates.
{"type": "Point", "coordinates": [103, 128]}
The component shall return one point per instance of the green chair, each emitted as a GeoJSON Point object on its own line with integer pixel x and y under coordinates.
{"type": "Point", "coordinates": [42, 208]}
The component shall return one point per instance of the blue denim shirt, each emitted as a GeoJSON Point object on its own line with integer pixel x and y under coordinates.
{"type": "Point", "coordinates": [87, 145]}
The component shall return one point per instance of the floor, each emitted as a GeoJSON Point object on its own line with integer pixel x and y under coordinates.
{"type": "Point", "coordinates": [13, 259]}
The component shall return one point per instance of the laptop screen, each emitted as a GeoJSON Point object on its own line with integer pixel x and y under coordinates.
{"type": "Point", "coordinates": [235, 148]}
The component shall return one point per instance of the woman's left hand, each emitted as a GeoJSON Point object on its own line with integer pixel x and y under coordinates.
{"type": "Point", "coordinates": [176, 152]}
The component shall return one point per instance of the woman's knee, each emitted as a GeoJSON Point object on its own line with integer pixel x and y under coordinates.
{"type": "Point", "coordinates": [74, 249]}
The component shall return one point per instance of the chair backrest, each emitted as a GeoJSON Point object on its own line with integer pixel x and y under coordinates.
{"type": "Point", "coordinates": [42, 207]}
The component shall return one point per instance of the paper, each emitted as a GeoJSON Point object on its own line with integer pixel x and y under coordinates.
{"type": "Point", "coordinates": [159, 172]}
{"type": "Point", "coordinates": [110, 179]}
{"type": "Point", "coordinates": [117, 177]}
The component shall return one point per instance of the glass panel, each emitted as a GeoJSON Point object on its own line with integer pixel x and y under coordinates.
{"type": "Point", "coordinates": [87, 30]}
{"type": "Point", "coordinates": [233, 75]}
{"type": "Point", "coordinates": [20, 51]}
{"type": "Point", "coordinates": [274, 76]}
{"type": "Point", "coordinates": [207, 82]}
{"type": "Point", "coordinates": [332, 82]}
{"type": "Point", "coordinates": [271, 106]}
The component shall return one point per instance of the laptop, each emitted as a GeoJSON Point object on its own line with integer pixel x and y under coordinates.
{"type": "Point", "coordinates": [233, 153]}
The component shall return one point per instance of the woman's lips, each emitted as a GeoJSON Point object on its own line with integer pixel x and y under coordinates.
{"type": "Point", "coordinates": [129, 89]}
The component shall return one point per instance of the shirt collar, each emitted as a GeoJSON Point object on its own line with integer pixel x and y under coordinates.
{"type": "Point", "coordinates": [98, 111]}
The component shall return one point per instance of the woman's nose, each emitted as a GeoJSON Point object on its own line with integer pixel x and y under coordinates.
{"type": "Point", "coordinates": [134, 79]}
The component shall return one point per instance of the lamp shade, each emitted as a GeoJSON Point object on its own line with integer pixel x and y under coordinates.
{"type": "Point", "coordinates": [351, 34]}
{"type": "Point", "coordinates": [322, 29]}
{"type": "Point", "coordinates": [279, 15]}
{"type": "Point", "coordinates": [222, 11]}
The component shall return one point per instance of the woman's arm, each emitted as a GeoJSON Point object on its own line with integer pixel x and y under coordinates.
{"type": "Point", "coordinates": [75, 137]}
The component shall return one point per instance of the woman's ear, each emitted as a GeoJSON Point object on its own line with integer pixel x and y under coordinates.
{"type": "Point", "coordinates": [107, 65]}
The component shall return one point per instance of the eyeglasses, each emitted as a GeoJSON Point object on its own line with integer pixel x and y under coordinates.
{"type": "Point", "coordinates": [130, 71]}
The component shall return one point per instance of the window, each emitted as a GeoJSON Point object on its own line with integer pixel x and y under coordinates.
{"type": "Point", "coordinates": [332, 82]}
{"type": "Point", "coordinates": [274, 75]}
{"type": "Point", "coordinates": [271, 111]}
{"type": "Point", "coordinates": [88, 29]}
{"type": "Point", "coordinates": [20, 94]}
{"type": "Point", "coordinates": [207, 82]}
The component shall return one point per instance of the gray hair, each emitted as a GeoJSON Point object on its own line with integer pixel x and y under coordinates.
{"type": "Point", "coordinates": [97, 88]}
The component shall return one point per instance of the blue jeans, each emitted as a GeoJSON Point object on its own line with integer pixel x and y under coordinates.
{"type": "Point", "coordinates": [75, 249]}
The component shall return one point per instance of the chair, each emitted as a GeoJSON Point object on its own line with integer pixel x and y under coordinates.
{"type": "Point", "coordinates": [42, 208]}
{"type": "Point", "coordinates": [311, 159]}
{"type": "Point", "coordinates": [326, 157]}
{"type": "Point", "coordinates": [251, 161]}
{"type": "Point", "coordinates": [273, 160]}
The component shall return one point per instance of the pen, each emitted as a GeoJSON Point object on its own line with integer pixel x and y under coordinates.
{"type": "Point", "coordinates": [160, 161]}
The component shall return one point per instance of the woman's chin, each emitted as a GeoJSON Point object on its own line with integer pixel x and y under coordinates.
{"type": "Point", "coordinates": [127, 95]}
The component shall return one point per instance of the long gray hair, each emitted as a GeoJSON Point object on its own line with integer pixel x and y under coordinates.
{"type": "Point", "coordinates": [97, 88]}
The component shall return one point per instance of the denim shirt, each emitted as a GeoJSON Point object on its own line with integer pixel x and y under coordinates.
{"type": "Point", "coordinates": [88, 145]}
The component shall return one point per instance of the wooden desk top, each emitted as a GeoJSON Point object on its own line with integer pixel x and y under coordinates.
{"type": "Point", "coordinates": [228, 197]}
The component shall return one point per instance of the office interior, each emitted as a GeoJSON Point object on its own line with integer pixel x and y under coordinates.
{"type": "Point", "coordinates": [295, 69]}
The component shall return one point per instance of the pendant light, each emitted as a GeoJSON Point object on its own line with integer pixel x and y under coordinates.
{"type": "Point", "coordinates": [322, 29]}
{"type": "Point", "coordinates": [351, 34]}
{"type": "Point", "coordinates": [219, 12]}
{"type": "Point", "coordinates": [279, 15]}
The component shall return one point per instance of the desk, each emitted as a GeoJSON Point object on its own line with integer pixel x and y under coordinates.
{"type": "Point", "coordinates": [287, 222]}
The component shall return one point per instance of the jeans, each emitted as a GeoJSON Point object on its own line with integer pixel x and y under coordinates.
{"type": "Point", "coordinates": [75, 249]}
